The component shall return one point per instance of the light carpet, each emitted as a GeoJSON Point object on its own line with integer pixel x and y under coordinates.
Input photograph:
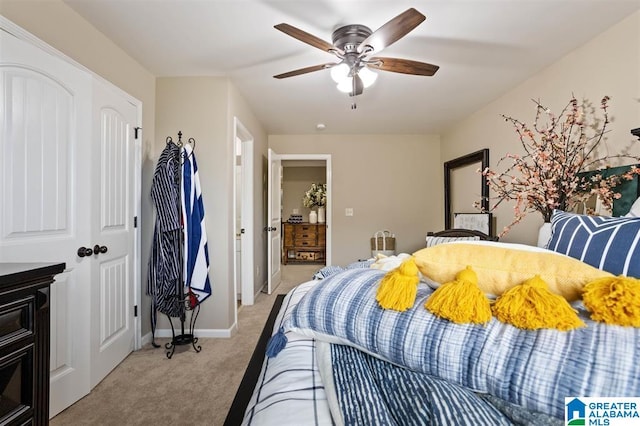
{"type": "Point", "coordinates": [189, 389]}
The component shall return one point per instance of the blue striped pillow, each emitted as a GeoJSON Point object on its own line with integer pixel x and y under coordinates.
{"type": "Point", "coordinates": [608, 243]}
{"type": "Point", "coordinates": [533, 369]}
{"type": "Point", "coordinates": [434, 241]}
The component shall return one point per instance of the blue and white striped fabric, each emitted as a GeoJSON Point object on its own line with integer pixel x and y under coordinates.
{"type": "Point", "coordinates": [329, 270]}
{"type": "Point", "coordinates": [608, 243]}
{"type": "Point", "coordinates": [165, 263]}
{"type": "Point", "coordinates": [434, 241]}
{"type": "Point", "coordinates": [532, 369]}
{"type": "Point", "coordinates": [374, 392]}
{"type": "Point", "coordinates": [196, 252]}
{"type": "Point", "coordinates": [289, 389]}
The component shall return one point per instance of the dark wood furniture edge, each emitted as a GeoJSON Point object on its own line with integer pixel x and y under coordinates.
{"type": "Point", "coordinates": [25, 272]}
{"type": "Point", "coordinates": [235, 415]}
{"type": "Point", "coordinates": [457, 232]}
{"type": "Point", "coordinates": [28, 285]}
{"type": "Point", "coordinates": [481, 156]}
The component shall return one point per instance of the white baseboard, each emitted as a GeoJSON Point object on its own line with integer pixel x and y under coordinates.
{"type": "Point", "coordinates": [199, 333]}
{"type": "Point", "coordinates": [146, 339]}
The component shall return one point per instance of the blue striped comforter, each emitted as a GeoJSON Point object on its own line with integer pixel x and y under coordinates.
{"type": "Point", "coordinates": [533, 369]}
{"type": "Point", "coordinates": [374, 392]}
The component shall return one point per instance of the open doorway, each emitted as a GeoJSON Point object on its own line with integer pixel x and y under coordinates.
{"type": "Point", "coordinates": [304, 227]}
{"type": "Point", "coordinates": [284, 247]}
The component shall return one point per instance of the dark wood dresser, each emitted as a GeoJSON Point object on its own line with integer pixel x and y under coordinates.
{"type": "Point", "coordinates": [24, 342]}
{"type": "Point", "coordinates": [303, 242]}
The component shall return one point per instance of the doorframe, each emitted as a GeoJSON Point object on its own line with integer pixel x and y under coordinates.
{"type": "Point", "coordinates": [137, 272]}
{"type": "Point", "coordinates": [25, 35]}
{"type": "Point", "coordinates": [328, 216]}
{"type": "Point", "coordinates": [240, 132]}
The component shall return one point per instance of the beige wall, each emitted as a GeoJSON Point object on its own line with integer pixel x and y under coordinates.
{"type": "Point", "coordinates": [607, 65]}
{"type": "Point", "coordinates": [295, 182]}
{"type": "Point", "coordinates": [392, 182]}
{"type": "Point", "coordinates": [197, 106]}
{"type": "Point", "coordinates": [203, 108]}
{"type": "Point", "coordinates": [468, 178]}
{"type": "Point", "coordinates": [178, 109]}
{"type": "Point", "coordinates": [61, 27]}
{"type": "Point", "coordinates": [239, 108]}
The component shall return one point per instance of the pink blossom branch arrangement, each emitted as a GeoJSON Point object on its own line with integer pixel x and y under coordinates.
{"type": "Point", "coordinates": [557, 151]}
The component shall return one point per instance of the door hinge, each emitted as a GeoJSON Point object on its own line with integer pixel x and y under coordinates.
{"type": "Point", "coordinates": [135, 221]}
{"type": "Point", "coordinates": [136, 132]}
{"type": "Point", "coordinates": [135, 310]}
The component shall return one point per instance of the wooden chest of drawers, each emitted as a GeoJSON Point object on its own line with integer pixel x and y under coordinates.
{"type": "Point", "coordinates": [303, 242]}
{"type": "Point", "coordinates": [24, 342]}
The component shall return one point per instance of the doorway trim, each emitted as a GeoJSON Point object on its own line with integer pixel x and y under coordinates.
{"type": "Point", "coordinates": [240, 133]}
{"type": "Point", "coordinates": [328, 219]}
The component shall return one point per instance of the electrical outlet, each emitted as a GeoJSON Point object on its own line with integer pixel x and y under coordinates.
{"type": "Point", "coordinates": [348, 211]}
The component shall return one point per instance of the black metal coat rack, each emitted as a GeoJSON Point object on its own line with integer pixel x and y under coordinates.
{"type": "Point", "coordinates": [187, 302]}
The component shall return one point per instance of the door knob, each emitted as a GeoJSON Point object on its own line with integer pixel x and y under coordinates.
{"type": "Point", "coordinates": [84, 251]}
{"type": "Point", "coordinates": [97, 249]}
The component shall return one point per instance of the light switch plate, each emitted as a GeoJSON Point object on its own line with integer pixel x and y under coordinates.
{"type": "Point", "coordinates": [348, 211]}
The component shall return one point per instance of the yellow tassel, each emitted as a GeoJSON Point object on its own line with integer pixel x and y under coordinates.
{"type": "Point", "coordinates": [531, 306]}
{"type": "Point", "coordinates": [399, 286]}
{"type": "Point", "coordinates": [614, 300]}
{"type": "Point", "coordinates": [461, 301]}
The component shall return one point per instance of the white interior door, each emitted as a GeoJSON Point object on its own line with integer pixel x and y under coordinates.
{"type": "Point", "coordinates": [45, 121]}
{"type": "Point", "coordinates": [244, 214]}
{"type": "Point", "coordinates": [246, 251]}
{"type": "Point", "coordinates": [238, 192]}
{"type": "Point", "coordinates": [113, 234]}
{"type": "Point", "coordinates": [244, 221]}
{"type": "Point", "coordinates": [274, 222]}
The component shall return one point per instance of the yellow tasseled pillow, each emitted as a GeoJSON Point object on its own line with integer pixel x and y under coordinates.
{"type": "Point", "coordinates": [501, 266]}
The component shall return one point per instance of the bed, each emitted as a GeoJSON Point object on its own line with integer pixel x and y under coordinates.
{"type": "Point", "coordinates": [347, 360]}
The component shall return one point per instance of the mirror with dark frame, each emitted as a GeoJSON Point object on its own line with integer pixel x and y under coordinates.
{"type": "Point", "coordinates": [482, 159]}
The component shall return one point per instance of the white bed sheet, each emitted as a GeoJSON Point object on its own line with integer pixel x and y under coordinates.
{"type": "Point", "coordinates": [289, 389]}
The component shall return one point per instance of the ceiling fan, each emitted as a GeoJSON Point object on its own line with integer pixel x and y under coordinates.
{"type": "Point", "coordinates": [353, 45]}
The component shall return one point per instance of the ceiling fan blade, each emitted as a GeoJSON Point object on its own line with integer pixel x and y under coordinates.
{"type": "Point", "coordinates": [392, 31]}
{"type": "Point", "coordinates": [307, 38]}
{"type": "Point", "coordinates": [404, 66]}
{"type": "Point", "coordinates": [304, 70]}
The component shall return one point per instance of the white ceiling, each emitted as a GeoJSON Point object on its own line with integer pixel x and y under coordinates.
{"type": "Point", "coordinates": [483, 47]}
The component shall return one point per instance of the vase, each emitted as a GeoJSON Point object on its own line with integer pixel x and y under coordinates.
{"type": "Point", "coordinates": [321, 215]}
{"type": "Point", "coordinates": [313, 216]}
{"type": "Point", "coordinates": [544, 234]}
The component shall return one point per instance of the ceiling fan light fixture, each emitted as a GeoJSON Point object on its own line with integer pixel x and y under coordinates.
{"type": "Point", "coordinates": [340, 72]}
{"type": "Point", "coordinates": [353, 44]}
{"type": "Point", "coordinates": [345, 86]}
{"type": "Point", "coordinates": [368, 77]}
